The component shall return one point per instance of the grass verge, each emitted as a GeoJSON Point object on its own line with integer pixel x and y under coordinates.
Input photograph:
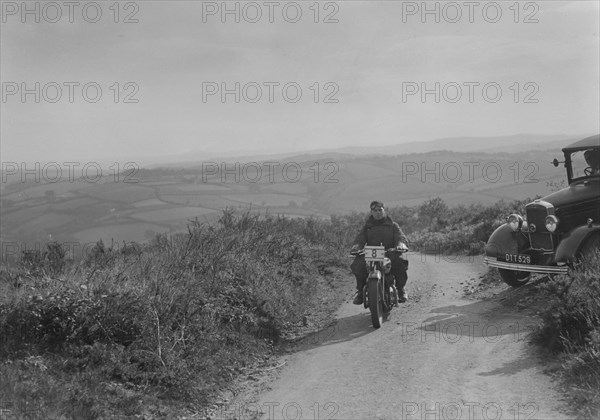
{"type": "Point", "coordinates": [157, 330]}
{"type": "Point", "coordinates": [570, 332]}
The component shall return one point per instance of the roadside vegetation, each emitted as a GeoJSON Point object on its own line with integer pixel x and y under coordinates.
{"type": "Point", "coordinates": [434, 227]}
{"type": "Point", "coordinates": [158, 329]}
{"type": "Point", "coordinates": [570, 331]}
{"type": "Point", "coordinates": [139, 329]}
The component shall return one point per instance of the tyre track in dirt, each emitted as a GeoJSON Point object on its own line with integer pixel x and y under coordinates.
{"type": "Point", "coordinates": [439, 356]}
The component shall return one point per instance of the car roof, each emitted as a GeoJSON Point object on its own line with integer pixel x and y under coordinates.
{"type": "Point", "coordinates": [591, 141]}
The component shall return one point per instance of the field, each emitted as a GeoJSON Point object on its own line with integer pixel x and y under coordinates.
{"type": "Point", "coordinates": [138, 232]}
{"type": "Point", "coordinates": [214, 202]}
{"type": "Point", "coordinates": [269, 200]}
{"type": "Point", "coordinates": [152, 202]}
{"type": "Point", "coordinates": [164, 200]}
{"type": "Point", "coordinates": [125, 193]}
{"type": "Point", "coordinates": [172, 214]}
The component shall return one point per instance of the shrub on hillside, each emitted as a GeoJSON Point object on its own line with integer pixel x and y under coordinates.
{"type": "Point", "coordinates": [49, 261]}
{"type": "Point", "coordinates": [183, 313]}
{"type": "Point", "coordinates": [571, 328]}
{"type": "Point", "coordinates": [572, 320]}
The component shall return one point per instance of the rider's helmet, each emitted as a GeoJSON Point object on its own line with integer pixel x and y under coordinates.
{"type": "Point", "coordinates": [376, 204]}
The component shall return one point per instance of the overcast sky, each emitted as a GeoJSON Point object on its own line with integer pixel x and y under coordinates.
{"type": "Point", "coordinates": [360, 75]}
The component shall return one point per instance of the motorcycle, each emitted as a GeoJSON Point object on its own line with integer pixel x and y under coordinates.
{"type": "Point", "coordinates": [380, 295]}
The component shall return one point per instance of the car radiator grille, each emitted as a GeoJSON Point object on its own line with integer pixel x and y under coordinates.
{"type": "Point", "coordinates": [541, 238]}
{"type": "Point", "coordinates": [571, 216]}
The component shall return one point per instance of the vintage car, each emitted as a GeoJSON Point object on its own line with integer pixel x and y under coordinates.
{"type": "Point", "coordinates": [558, 230]}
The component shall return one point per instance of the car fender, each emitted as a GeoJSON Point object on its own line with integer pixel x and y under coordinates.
{"type": "Point", "coordinates": [503, 240]}
{"type": "Point", "coordinates": [571, 244]}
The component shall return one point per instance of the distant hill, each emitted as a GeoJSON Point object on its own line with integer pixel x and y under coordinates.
{"type": "Point", "coordinates": [510, 144]}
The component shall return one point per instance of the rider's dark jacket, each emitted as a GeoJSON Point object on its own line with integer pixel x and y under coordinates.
{"type": "Point", "coordinates": [377, 232]}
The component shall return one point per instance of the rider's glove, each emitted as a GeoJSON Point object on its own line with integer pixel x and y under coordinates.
{"type": "Point", "coordinates": [354, 248]}
{"type": "Point", "coordinates": [402, 246]}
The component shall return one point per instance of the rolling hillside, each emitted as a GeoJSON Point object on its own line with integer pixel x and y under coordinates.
{"type": "Point", "coordinates": [164, 200]}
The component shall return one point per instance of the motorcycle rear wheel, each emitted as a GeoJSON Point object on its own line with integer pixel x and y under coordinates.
{"type": "Point", "coordinates": [375, 303]}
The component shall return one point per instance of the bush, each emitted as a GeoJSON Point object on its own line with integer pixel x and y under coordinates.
{"type": "Point", "coordinates": [49, 261]}
{"type": "Point", "coordinates": [183, 314]}
{"type": "Point", "coordinates": [573, 318]}
{"type": "Point", "coordinates": [571, 329]}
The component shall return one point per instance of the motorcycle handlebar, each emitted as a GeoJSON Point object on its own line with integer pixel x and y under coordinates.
{"type": "Point", "coordinates": [362, 251]}
{"type": "Point", "coordinates": [397, 249]}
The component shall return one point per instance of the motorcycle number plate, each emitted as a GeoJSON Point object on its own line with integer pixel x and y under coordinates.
{"type": "Point", "coordinates": [374, 253]}
{"type": "Point", "coordinates": [517, 258]}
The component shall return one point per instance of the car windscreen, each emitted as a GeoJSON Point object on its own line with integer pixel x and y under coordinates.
{"type": "Point", "coordinates": [585, 167]}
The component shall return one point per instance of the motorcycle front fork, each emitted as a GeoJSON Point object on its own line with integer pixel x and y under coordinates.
{"type": "Point", "coordinates": [393, 293]}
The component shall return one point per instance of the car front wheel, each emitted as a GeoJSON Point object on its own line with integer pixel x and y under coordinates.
{"type": "Point", "coordinates": [514, 278]}
{"type": "Point", "coordinates": [591, 246]}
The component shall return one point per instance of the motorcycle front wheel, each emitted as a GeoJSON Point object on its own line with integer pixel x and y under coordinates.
{"type": "Point", "coordinates": [375, 302]}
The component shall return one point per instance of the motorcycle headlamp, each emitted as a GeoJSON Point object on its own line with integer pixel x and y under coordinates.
{"type": "Point", "coordinates": [515, 222]}
{"type": "Point", "coordinates": [551, 223]}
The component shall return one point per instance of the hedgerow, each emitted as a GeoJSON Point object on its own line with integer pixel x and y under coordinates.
{"type": "Point", "coordinates": [183, 314]}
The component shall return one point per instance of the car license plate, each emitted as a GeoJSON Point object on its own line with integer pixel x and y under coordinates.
{"type": "Point", "coordinates": [517, 258]}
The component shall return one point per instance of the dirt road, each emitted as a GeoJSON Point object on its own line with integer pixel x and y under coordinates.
{"type": "Point", "coordinates": [439, 356]}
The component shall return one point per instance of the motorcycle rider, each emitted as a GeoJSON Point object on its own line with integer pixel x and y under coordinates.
{"type": "Point", "coordinates": [380, 229]}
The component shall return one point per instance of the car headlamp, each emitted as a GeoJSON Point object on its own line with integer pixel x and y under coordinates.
{"type": "Point", "coordinates": [515, 222]}
{"type": "Point", "coordinates": [551, 222]}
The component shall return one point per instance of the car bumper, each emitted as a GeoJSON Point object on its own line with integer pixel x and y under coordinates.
{"type": "Point", "coordinates": [543, 269]}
